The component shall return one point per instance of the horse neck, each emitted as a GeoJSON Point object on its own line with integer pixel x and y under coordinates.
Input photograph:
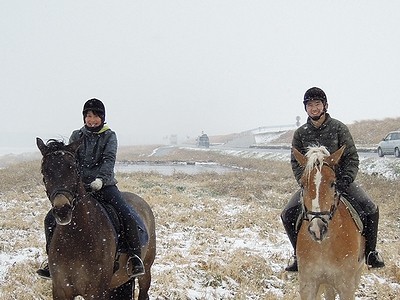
{"type": "Point", "coordinates": [342, 213]}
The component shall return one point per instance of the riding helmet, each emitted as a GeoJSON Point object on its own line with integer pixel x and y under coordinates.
{"type": "Point", "coordinates": [315, 93]}
{"type": "Point", "coordinates": [96, 106]}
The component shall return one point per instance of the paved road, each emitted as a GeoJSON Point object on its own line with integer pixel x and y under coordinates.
{"type": "Point", "coordinates": [165, 150]}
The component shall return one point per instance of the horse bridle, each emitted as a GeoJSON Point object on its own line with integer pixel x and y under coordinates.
{"type": "Point", "coordinates": [73, 194]}
{"type": "Point", "coordinates": [324, 216]}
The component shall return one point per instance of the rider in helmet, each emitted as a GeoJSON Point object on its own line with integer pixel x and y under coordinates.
{"type": "Point", "coordinates": [321, 129]}
{"type": "Point", "coordinates": [96, 158]}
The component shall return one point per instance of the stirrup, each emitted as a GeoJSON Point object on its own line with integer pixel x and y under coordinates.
{"type": "Point", "coordinates": [374, 260]}
{"type": "Point", "coordinates": [44, 271]}
{"type": "Point", "coordinates": [134, 266]}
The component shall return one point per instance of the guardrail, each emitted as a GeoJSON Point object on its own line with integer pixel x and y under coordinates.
{"type": "Point", "coordinates": [370, 149]}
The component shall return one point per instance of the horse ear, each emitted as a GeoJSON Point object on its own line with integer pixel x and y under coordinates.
{"type": "Point", "coordinates": [41, 145]}
{"type": "Point", "coordinates": [299, 157]}
{"type": "Point", "coordinates": [75, 145]}
{"type": "Point", "coordinates": [334, 158]}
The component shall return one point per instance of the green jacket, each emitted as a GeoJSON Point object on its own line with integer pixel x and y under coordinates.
{"type": "Point", "coordinates": [97, 154]}
{"type": "Point", "coordinates": [332, 134]}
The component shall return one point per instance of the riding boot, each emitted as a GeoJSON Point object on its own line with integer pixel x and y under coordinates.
{"type": "Point", "coordinates": [292, 234]}
{"type": "Point", "coordinates": [289, 218]}
{"type": "Point", "coordinates": [134, 266]}
{"type": "Point", "coordinates": [110, 194]}
{"type": "Point", "coordinates": [49, 226]}
{"type": "Point", "coordinates": [372, 258]}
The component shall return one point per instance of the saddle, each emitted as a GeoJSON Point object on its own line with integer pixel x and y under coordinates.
{"type": "Point", "coordinates": [120, 229]}
{"type": "Point", "coordinates": [122, 246]}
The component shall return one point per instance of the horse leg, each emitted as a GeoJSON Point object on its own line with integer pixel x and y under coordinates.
{"type": "Point", "coordinates": [308, 290]}
{"type": "Point", "coordinates": [329, 293]}
{"type": "Point", "coordinates": [98, 294]}
{"type": "Point", "coordinates": [124, 291]}
{"type": "Point", "coordinates": [59, 294]}
{"type": "Point", "coordinates": [62, 292]}
{"type": "Point", "coordinates": [347, 291]}
{"type": "Point", "coordinates": [144, 285]}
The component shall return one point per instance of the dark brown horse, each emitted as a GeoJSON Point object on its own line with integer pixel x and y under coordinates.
{"type": "Point", "coordinates": [330, 247]}
{"type": "Point", "coordinates": [83, 250]}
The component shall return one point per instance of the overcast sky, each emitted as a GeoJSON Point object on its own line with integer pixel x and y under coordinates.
{"type": "Point", "coordinates": [182, 67]}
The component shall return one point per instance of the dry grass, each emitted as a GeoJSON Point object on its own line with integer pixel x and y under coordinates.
{"type": "Point", "coordinates": [201, 220]}
{"type": "Point", "coordinates": [369, 132]}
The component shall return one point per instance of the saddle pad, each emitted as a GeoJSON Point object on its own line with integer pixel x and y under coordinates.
{"type": "Point", "coordinates": [354, 214]}
{"type": "Point", "coordinates": [119, 226]}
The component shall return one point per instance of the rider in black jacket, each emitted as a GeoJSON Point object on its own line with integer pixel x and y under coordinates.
{"type": "Point", "coordinates": [322, 130]}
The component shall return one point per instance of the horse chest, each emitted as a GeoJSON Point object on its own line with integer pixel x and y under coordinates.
{"type": "Point", "coordinates": [76, 238]}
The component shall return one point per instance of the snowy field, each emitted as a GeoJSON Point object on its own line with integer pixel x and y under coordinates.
{"type": "Point", "coordinates": [212, 243]}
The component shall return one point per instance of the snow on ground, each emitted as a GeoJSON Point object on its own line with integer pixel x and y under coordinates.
{"type": "Point", "coordinates": [181, 242]}
{"type": "Point", "coordinates": [387, 167]}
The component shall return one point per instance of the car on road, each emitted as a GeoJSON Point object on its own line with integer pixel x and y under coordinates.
{"type": "Point", "coordinates": [390, 144]}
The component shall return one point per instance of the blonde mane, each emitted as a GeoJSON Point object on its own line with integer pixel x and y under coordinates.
{"type": "Point", "coordinates": [315, 157]}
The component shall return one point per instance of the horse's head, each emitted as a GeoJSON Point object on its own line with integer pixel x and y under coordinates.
{"type": "Point", "coordinates": [319, 195]}
{"type": "Point", "coordinates": [60, 177]}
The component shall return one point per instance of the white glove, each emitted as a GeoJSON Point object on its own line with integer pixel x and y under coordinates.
{"type": "Point", "coordinates": [96, 185]}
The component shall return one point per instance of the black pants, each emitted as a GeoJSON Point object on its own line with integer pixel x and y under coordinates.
{"type": "Point", "coordinates": [110, 195]}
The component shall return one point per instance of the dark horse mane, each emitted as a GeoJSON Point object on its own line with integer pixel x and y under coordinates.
{"type": "Point", "coordinates": [55, 145]}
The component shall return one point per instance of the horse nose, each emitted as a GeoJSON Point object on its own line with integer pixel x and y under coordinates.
{"type": "Point", "coordinates": [62, 209]}
{"type": "Point", "coordinates": [63, 215]}
{"type": "Point", "coordinates": [318, 229]}
{"type": "Point", "coordinates": [60, 200]}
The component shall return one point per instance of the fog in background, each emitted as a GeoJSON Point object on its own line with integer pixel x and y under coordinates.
{"type": "Point", "coordinates": [183, 67]}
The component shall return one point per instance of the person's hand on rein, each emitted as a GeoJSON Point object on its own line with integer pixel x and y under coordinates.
{"type": "Point", "coordinates": [96, 185]}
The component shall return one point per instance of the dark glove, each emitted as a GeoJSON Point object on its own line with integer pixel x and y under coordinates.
{"type": "Point", "coordinates": [343, 183]}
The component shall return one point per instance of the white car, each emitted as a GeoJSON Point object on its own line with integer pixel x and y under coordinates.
{"type": "Point", "coordinates": [390, 144]}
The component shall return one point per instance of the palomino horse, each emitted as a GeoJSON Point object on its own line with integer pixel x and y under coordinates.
{"type": "Point", "coordinates": [83, 250]}
{"type": "Point", "coordinates": [330, 247]}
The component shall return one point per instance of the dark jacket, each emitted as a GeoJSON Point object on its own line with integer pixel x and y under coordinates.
{"type": "Point", "coordinates": [97, 154]}
{"type": "Point", "coordinates": [332, 134]}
